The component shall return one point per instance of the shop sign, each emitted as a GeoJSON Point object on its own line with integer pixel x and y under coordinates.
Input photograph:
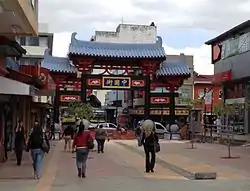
{"type": "Point", "coordinates": [69, 98]}
{"type": "Point", "coordinates": [116, 82]}
{"type": "Point", "coordinates": [138, 83]}
{"type": "Point", "coordinates": [94, 82]}
{"type": "Point", "coordinates": [159, 100]}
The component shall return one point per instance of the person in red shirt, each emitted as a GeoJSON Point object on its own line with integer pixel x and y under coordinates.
{"type": "Point", "coordinates": [80, 144]}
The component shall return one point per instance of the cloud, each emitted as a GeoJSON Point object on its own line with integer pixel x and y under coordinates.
{"type": "Point", "coordinates": [202, 57]}
{"type": "Point", "coordinates": [85, 15]}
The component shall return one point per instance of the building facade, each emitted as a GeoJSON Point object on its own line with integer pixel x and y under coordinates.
{"type": "Point", "coordinates": [230, 56]}
{"type": "Point", "coordinates": [204, 83]}
{"type": "Point", "coordinates": [18, 17]}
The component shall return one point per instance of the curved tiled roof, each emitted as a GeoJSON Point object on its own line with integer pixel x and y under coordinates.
{"type": "Point", "coordinates": [57, 64]}
{"type": "Point", "coordinates": [116, 50]}
{"type": "Point", "coordinates": [173, 68]}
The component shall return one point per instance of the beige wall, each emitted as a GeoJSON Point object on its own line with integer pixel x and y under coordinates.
{"type": "Point", "coordinates": [24, 21]}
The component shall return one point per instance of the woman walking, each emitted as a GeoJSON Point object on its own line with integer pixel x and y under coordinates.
{"type": "Point", "coordinates": [38, 144]}
{"type": "Point", "coordinates": [19, 142]}
{"type": "Point", "coordinates": [83, 141]}
{"type": "Point", "coordinates": [150, 142]}
{"type": "Point", "coordinates": [68, 135]}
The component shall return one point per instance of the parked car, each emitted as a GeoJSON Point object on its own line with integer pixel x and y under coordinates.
{"type": "Point", "coordinates": [110, 127]}
{"type": "Point", "coordinates": [160, 129]}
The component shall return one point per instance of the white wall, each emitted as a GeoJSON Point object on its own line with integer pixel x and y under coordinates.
{"type": "Point", "coordinates": [128, 34]}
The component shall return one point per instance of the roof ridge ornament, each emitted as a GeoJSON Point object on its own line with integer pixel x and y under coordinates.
{"type": "Point", "coordinates": [159, 40]}
{"type": "Point", "coordinates": [73, 37]}
{"type": "Point", "coordinates": [47, 53]}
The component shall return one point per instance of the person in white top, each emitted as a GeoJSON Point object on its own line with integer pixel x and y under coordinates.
{"type": "Point", "coordinates": [217, 122]}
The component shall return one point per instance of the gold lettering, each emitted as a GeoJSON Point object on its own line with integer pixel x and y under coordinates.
{"type": "Point", "coordinates": [117, 82]}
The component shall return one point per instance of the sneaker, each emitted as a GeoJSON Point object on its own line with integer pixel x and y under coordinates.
{"type": "Point", "coordinates": [152, 171]}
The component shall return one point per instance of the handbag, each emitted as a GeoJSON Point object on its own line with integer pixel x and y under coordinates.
{"type": "Point", "coordinates": [45, 145]}
{"type": "Point", "coordinates": [90, 142]}
{"type": "Point", "coordinates": [157, 146]}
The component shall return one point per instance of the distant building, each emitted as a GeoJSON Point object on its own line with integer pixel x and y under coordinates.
{"type": "Point", "coordinates": [36, 45]}
{"type": "Point", "coordinates": [204, 83]}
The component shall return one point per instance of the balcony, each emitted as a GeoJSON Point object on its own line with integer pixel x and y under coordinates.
{"type": "Point", "coordinates": [18, 17]}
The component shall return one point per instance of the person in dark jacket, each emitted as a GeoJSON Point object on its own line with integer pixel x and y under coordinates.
{"type": "Point", "coordinates": [149, 140]}
{"type": "Point", "coordinates": [68, 135]}
{"type": "Point", "coordinates": [38, 144]}
{"type": "Point", "coordinates": [101, 135]}
{"type": "Point", "coordinates": [19, 142]}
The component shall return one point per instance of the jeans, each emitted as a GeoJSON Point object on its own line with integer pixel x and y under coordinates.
{"type": "Point", "coordinates": [150, 163]}
{"type": "Point", "coordinates": [100, 145]}
{"type": "Point", "coordinates": [37, 157]}
{"type": "Point", "coordinates": [81, 159]}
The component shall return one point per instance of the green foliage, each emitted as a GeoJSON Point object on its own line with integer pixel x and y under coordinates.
{"type": "Point", "coordinates": [191, 103]}
{"type": "Point", "coordinates": [225, 109]}
{"type": "Point", "coordinates": [82, 110]}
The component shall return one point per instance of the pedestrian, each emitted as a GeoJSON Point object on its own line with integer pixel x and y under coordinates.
{"type": "Point", "coordinates": [38, 143]}
{"type": "Point", "coordinates": [19, 142]}
{"type": "Point", "coordinates": [101, 135]}
{"type": "Point", "coordinates": [68, 135]}
{"type": "Point", "coordinates": [83, 142]}
{"type": "Point", "coordinates": [52, 132]}
{"type": "Point", "coordinates": [150, 142]}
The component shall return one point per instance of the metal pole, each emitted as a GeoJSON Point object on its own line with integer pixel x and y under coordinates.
{"type": "Point", "coordinates": [116, 104]}
{"type": "Point", "coordinates": [162, 107]}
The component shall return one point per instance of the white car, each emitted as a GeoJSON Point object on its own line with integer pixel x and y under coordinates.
{"type": "Point", "coordinates": [160, 129]}
{"type": "Point", "coordinates": [109, 127]}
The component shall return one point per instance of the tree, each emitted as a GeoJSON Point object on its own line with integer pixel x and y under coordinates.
{"type": "Point", "coordinates": [82, 110]}
{"type": "Point", "coordinates": [191, 103]}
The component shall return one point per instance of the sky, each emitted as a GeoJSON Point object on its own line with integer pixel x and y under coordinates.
{"type": "Point", "coordinates": [184, 25]}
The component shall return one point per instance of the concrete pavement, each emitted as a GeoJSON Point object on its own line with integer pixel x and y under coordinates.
{"type": "Point", "coordinates": [122, 167]}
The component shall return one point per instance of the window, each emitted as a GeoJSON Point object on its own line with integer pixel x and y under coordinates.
{"type": "Point", "coordinates": [112, 126]}
{"type": "Point", "coordinates": [43, 41]}
{"type": "Point", "coordinates": [22, 40]}
{"type": "Point", "coordinates": [200, 93]}
{"type": "Point", "coordinates": [33, 41]}
{"type": "Point", "coordinates": [157, 126]}
{"type": "Point", "coordinates": [220, 94]}
{"type": "Point", "coordinates": [185, 93]}
{"type": "Point", "coordinates": [235, 45]}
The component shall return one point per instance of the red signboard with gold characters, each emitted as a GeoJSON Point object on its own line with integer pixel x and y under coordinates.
{"type": "Point", "coordinates": [138, 83]}
{"type": "Point", "coordinates": [159, 100]}
{"type": "Point", "coordinates": [94, 82]}
{"type": "Point", "coordinates": [69, 98]}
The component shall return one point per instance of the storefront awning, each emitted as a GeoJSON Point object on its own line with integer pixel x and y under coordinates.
{"type": "Point", "coordinates": [12, 87]}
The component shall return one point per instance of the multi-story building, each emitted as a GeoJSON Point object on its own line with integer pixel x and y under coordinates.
{"type": "Point", "coordinates": [19, 17]}
{"type": "Point", "coordinates": [230, 56]}
{"type": "Point", "coordinates": [36, 45]}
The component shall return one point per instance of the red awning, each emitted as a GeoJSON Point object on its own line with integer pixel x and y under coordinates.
{"type": "Point", "coordinates": [20, 76]}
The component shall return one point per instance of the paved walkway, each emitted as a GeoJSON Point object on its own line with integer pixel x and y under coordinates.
{"type": "Point", "coordinates": [121, 167]}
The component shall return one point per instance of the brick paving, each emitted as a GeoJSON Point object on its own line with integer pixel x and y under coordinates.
{"type": "Point", "coordinates": [119, 168]}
